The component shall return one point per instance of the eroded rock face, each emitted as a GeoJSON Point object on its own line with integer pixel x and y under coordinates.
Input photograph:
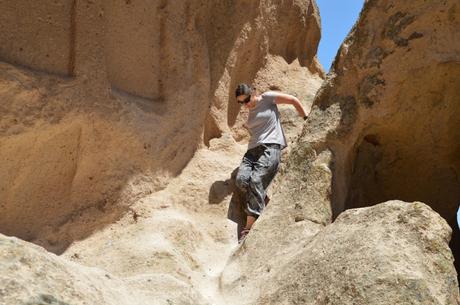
{"type": "Point", "coordinates": [299, 209]}
{"type": "Point", "coordinates": [389, 109]}
{"type": "Point", "coordinates": [121, 94]}
{"type": "Point", "coordinates": [31, 275]}
{"type": "Point", "coordinates": [383, 126]}
{"type": "Point", "coordinates": [391, 253]}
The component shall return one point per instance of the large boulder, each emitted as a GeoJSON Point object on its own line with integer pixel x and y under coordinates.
{"type": "Point", "coordinates": [31, 275]}
{"type": "Point", "coordinates": [391, 253]}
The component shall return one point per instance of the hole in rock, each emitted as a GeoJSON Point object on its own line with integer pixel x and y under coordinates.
{"type": "Point", "coordinates": [414, 154]}
{"type": "Point", "coordinates": [387, 167]}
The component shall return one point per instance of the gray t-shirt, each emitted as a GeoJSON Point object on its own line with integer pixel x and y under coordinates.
{"type": "Point", "coordinates": [264, 122]}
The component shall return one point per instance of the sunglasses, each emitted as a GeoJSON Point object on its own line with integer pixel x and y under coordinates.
{"type": "Point", "coordinates": [245, 101]}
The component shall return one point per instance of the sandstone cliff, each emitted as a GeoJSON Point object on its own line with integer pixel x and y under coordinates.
{"type": "Point", "coordinates": [391, 103]}
{"type": "Point", "coordinates": [118, 136]}
{"type": "Point", "coordinates": [384, 125]}
{"type": "Point", "coordinates": [104, 102]}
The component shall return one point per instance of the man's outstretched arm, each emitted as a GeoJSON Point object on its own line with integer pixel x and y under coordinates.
{"type": "Point", "coordinates": [283, 98]}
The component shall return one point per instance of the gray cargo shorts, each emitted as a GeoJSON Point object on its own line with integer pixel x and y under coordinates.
{"type": "Point", "coordinates": [257, 169]}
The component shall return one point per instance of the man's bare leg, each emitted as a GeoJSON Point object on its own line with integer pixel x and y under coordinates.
{"type": "Point", "coordinates": [251, 219]}
{"type": "Point", "coordinates": [249, 222]}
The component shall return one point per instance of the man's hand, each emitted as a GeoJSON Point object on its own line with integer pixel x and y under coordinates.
{"type": "Point", "coordinates": [247, 128]}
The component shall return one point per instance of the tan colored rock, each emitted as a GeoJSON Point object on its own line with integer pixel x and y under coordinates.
{"type": "Point", "coordinates": [149, 97]}
{"type": "Point", "coordinates": [389, 109]}
{"type": "Point", "coordinates": [39, 35]}
{"type": "Point", "coordinates": [146, 84]}
{"type": "Point", "coordinates": [383, 126]}
{"type": "Point", "coordinates": [391, 253]}
{"type": "Point", "coordinates": [116, 121]}
{"type": "Point", "coordinates": [31, 275]}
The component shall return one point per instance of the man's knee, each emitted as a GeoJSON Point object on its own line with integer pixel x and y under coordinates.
{"type": "Point", "coordinates": [242, 182]}
{"type": "Point", "coordinates": [256, 179]}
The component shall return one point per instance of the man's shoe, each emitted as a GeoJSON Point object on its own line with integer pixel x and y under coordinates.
{"type": "Point", "coordinates": [243, 235]}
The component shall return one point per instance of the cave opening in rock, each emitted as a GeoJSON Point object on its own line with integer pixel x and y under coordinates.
{"type": "Point", "coordinates": [386, 169]}
{"type": "Point", "coordinates": [413, 154]}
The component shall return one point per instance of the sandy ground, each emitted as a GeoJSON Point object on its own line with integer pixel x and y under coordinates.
{"type": "Point", "coordinates": [176, 231]}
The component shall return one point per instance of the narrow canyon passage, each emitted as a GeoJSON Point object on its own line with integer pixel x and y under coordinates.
{"type": "Point", "coordinates": [180, 235]}
{"type": "Point", "coordinates": [119, 134]}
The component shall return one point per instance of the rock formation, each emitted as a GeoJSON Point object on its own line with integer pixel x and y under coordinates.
{"type": "Point", "coordinates": [391, 106]}
{"type": "Point", "coordinates": [116, 97]}
{"type": "Point", "coordinates": [391, 253]}
{"type": "Point", "coordinates": [383, 126]}
{"type": "Point", "coordinates": [31, 275]}
{"type": "Point", "coordinates": [119, 133]}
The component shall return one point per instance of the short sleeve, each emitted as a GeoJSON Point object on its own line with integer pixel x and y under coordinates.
{"type": "Point", "coordinates": [270, 96]}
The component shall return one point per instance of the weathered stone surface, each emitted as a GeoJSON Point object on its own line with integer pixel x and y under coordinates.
{"type": "Point", "coordinates": [39, 35]}
{"type": "Point", "coordinates": [383, 126]}
{"type": "Point", "coordinates": [151, 82]}
{"type": "Point", "coordinates": [151, 98]}
{"type": "Point", "coordinates": [389, 109]}
{"type": "Point", "coordinates": [31, 275]}
{"type": "Point", "coordinates": [111, 165]}
{"type": "Point", "coordinates": [391, 253]}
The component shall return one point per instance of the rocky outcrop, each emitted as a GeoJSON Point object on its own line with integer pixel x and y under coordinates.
{"type": "Point", "coordinates": [139, 87]}
{"type": "Point", "coordinates": [389, 110]}
{"type": "Point", "coordinates": [383, 126]}
{"type": "Point", "coordinates": [388, 107]}
{"type": "Point", "coordinates": [103, 102]}
{"type": "Point", "coordinates": [391, 253]}
{"type": "Point", "coordinates": [298, 210]}
{"type": "Point", "coordinates": [31, 275]}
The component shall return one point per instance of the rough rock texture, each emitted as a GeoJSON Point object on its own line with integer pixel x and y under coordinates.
{"type": "Point", "coordinates": [383, 126]}
{"type": "Point", "coordinates": [391, 253]}
{"type": "Point", "coordinates": [289, 221]}
{"type": "Point", "coordinates": [31, 275]}
{"type": "Point", "coordinates": [118, 155]}
{"type": "Point", "coordinates": [114, 97]}
{"type": "Point", "coordinates": [180, 231]}
{"type": "Point", "coordinates": [39, 35]}
{"type": "Point", "coordinates": [389, 109]}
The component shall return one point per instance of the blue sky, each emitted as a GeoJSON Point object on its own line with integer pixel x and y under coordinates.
{"type": "Point", "coordinates": [337, 19]}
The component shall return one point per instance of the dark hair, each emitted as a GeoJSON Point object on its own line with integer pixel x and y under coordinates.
{"type": "Point", "coordinates": [243, 89]}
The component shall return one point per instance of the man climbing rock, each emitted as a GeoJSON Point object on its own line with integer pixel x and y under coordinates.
{"type": "Point", "coordinates": [261, 161]}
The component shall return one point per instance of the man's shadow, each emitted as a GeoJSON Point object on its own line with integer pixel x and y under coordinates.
{"type": "Point", "coordinates": [221, 189]}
